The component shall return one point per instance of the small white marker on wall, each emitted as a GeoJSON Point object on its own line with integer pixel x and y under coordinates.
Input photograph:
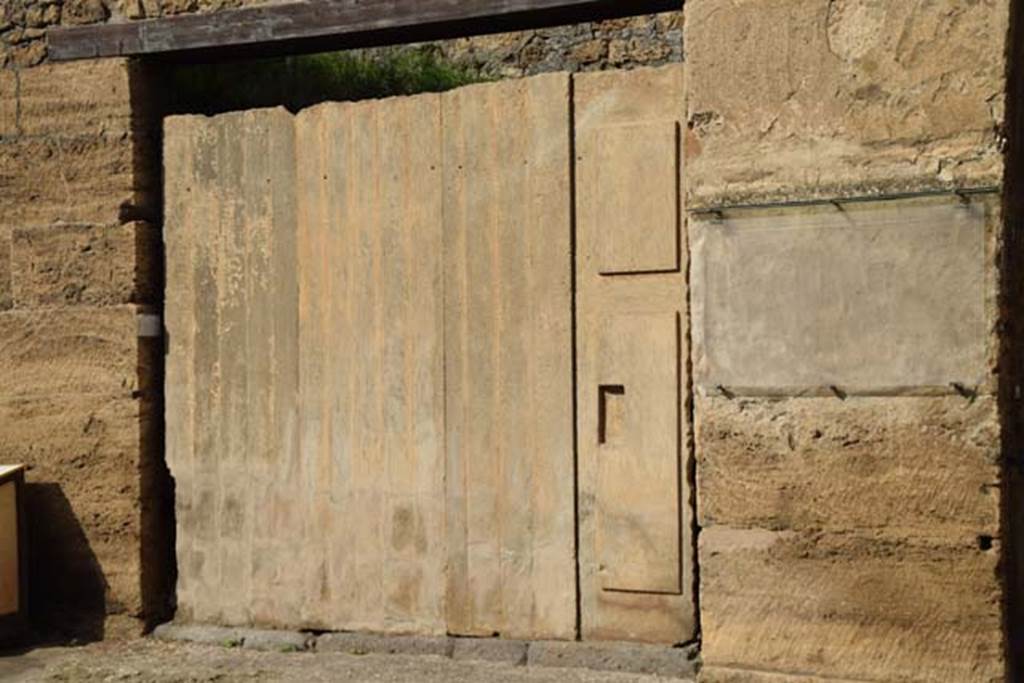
{"type": "Point", "coordinates": [150, 325]}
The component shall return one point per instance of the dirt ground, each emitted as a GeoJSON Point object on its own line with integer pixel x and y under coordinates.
{"type": "Point", "coordinates": [161, 662]}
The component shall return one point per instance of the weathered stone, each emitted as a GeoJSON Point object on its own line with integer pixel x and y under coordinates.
{"type": "Point", "coordinates": [84, 498]}
{"type": "Point", "coordinates": [276, 641]}
{"type": "Point", "coordinates": [721, 674]}
{"type": "Point", "coordinates": [821, 98]}
{"type": "Point", "coordinates": [879, 296]}
{"type": "Point", "coordinates": [490, 650]}
{"type": "Point", "coordinates": [77, 180]}
{"type": "Point", "coordinates": [676, 662]}
{"type": "Point", "coordinates": [28, 54]}
{"type": "Point", "coordinates": [925, 466]}
{"type": "Point", "coordinates": [829, 525]}
{"type": "Point", "coordinates": [202, 634]}
{"type": "Point", "coordinates": [85, 265]}
{"type": "Point", "coordinates": [91, 97]}
{"type": "Point", "coordinates": [69, 352]}
{"type": "Point", "coordinates": [84, 12]}
{"type": "Point", "coordinates": [866, 605]}
{"type": "Point", "coordinates": [367, 643]}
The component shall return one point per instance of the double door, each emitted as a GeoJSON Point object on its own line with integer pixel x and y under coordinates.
{"type": "Point", "coordinates": [428, 365]}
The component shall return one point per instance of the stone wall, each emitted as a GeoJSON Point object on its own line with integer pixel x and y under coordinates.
{"type": "Point", "coordinates": [848, 534]}
{"type": "Point", "coordinates": [79, 264]}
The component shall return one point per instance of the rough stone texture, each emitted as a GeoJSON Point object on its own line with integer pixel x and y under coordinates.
{"type": "Point", "coordinates": [720, 674]}
{"type": "Point", "coordinates": [72, 352]}
{"type": "Point", "coordinates": [490, 650]}
{"type": "Point", "coordinates": [82, 179]}
{"type": "Point", "coordinates": [922, 465]}
{"type": "Point", "coordinates": [199, 633]}
{"type": "Point", "coordinates": [276, 641]}
{"type": "Point", "coordinates": [75, 127]}
{"type": "Point", "coordinates": [674, 662]}
{"type": "Point", "coordinates": [855, 538]}
{"type": "Point", "coordinates": [77, 398]}
{"type": "Point", "coordinates": [76, 98]}
{"type": "Point", "coordinates": [368, 643]}
{"type": "Point", "coordinates": [169, 662]}
{"type": "Point", "coordinates": [650, 40]}
{"type": "Point", "coordinates": [84, 264]}
{"type": "Point", "coordinates": [811, 97]}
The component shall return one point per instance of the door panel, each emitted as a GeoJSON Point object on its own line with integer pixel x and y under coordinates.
{"type": "Point", "coordinates": [508, 359]}
{"type": "Point", "coordinates": [638, 221]}
{"type": "Point", "coordinates": [638, 454]}
{"type": "Point", "coordinates": [370, 407]}
{"type": "Point", "coordinates": [636, 578]}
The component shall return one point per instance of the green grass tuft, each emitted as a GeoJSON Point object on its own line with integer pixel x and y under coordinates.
{"type": "Point", "coordinates": [298, 82]}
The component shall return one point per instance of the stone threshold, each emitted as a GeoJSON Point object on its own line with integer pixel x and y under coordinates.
{"type": "Point", "coordinates": [674, 662]}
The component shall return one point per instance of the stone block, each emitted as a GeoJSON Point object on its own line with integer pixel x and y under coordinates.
{"type": "Point", "coordinates": [85, 265]}
{"type": "Point", "coordinates": [276, 641]}
{"type": "Point", "coordinates": [86, 179]}
{"type": "Point", "coordinates": [370, 643]}
{"type": "Point", "coordinates": [90, 97]}
{"type": "Point", "coordinates": [723, 674]}
{"type": "Point", "coordinates": [918, 466]}
{"type": "Point", "coordinates": [490, 650]}
{"type": "Point", "coordinates": [70, 352]}
{"type": "Point", "coordinates": [676, 662]}
{"type": "Point", "coordinates": [805, 97]}
{"type": "Point", "coordinates": [223, 636]}
{"type": "Point", "coordinates": [865, 606]}
{"type": "Point", "coordinates": [878, 296]}
{"type": "Point", "coordinates": [84, 499]}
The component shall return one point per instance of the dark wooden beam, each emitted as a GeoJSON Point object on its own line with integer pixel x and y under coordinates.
{"type": "Point", "coordinates": [322, 25]}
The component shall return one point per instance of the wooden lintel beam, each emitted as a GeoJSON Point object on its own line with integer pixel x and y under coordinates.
{"type": "Point", "coordinates": [321, 25]}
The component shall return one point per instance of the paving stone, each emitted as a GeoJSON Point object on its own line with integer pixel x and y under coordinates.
{"type": "Point", "coordinates": [677, 662]}
{"type": "Point", "coordinates": [369, 643]}
{"type": "Point", "coordinates": [490, 650]}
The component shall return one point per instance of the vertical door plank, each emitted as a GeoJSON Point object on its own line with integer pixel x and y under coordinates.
{"type": "Point", "coordinates": [508, 359]}
{"type": "Point", "coordinates": [370, 263]}
{"type": "Point", "coordinates": [229, 214]}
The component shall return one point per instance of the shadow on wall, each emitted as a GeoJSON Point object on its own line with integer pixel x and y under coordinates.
{"type": "Point", "coordinates": [67, 588]}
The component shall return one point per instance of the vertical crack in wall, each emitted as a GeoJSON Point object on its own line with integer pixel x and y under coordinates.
{"type": "Point", "coordinates": [1011, 355]}
{"type": "Point", "coordinates": [573, 287]}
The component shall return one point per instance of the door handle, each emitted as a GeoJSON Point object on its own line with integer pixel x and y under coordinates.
{"type": "Point", "coordinates": [611, 411]}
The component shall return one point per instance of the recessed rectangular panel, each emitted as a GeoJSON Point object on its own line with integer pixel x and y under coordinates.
{"type": "Point", "coordinates": [869, 297]}
{"type": "Point", "coordinates": [638, 453]}
{"type": "Point", "coordinates": [634, 186]}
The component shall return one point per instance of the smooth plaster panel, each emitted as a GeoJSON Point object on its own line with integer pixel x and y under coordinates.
{"type": "Point", "coordinates": [861, 297]}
